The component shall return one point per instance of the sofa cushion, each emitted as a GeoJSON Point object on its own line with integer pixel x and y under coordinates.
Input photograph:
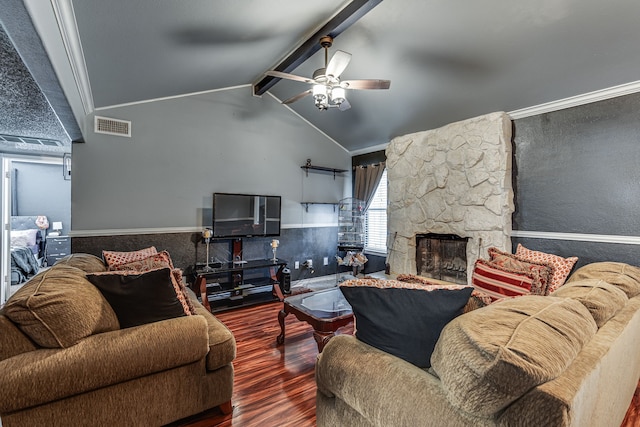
{"type": "Point", "coordinates": [561, 266]}
{"type": "Point", "coordinates": [160, 260]}
{"type": "Point", "coordinates": [222, 343]}
{"type": "Point", "coordinates": [488, 358]}
{"type": "Point", "coordinates": [85, 262]}
{"type": "Point", "coordinates": [602, 299]}
{"type": "Point", "coordinates": [541, 272]}
{"type": "Point", "coordinates": [114, 257]}
{"type": "Point", "coordinates": [139, 297]}
{"type": "Point", "coordinates": [499, 282]}
{"type": "Point", "coordinates": [624, 276]}
{"type": "Point", "coordinates": [404, 319]}
{"type": "Point", "coordinates": [12, 340]}
{"type": "Point", "coordinates": [59, 307]}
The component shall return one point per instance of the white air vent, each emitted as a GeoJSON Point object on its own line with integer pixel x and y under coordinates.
{"type": "Point", "coordinates": [112, 126]}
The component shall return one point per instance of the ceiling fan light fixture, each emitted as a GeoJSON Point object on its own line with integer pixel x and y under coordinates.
{"type": "Point", "coordinates": [320, 96]}
{"type": "Point", "coordinates": [338, 95]}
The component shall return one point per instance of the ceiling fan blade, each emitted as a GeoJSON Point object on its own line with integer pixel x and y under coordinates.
{"type": "Point", "coordinates": [281, 75]}
{"type": "Point", "coordinates": [366, 84]}
{"type": "Point", "coordinates": [338, 63]}
{"type": "Point", "coordinates": [344, 105]}
{"type": "Point", "coordinates": [298, 96]}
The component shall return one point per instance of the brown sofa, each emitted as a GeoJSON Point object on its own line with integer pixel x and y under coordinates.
{"type": "Point", "coordinates": [65, 361]}
{"type": "Point", "coordinates": [568, 359]}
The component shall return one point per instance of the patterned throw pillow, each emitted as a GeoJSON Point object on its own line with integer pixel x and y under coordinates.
{"type": "Point", "coordinates": [401, 318]}
{"type": "Point", "coordinates": [561, 266]}
{"type": "Point", "coordinates": [161, 260]}
{"type": "Point", "coordinates": [113, 257]}
{"type": "Point", "coordinates": [542, 272]}
{"type": "Point", "coordinates": [500, 282]}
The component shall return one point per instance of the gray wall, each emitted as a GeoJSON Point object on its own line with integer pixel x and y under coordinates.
{"type": "Point", "coordinates": [183, 150]}
{"type": "Point", "coordinates": [42, 190]}
{"type": "Point", "coordinates": [576, 171]}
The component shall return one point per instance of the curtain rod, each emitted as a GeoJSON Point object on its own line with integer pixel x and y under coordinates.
{"type": "Point", "coordinates": [373, 165]}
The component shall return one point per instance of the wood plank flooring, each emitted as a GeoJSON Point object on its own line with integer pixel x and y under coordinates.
{"type": "Point", "coordinates": [275, 385]}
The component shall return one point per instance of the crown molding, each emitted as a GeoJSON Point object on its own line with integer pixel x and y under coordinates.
{"type": "Point", "coordinates": [574, 101]}
{"type": "Point", "coordinates": [166, 98]}
{"type": "Point", "coordinates": [307, 121]}
{"type": "Point", "coordinates": [63, 10]}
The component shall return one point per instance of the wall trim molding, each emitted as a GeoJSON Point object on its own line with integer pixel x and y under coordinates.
{"type": "Point", "coordinates": [170, 230]}
{"type": "Point", "coordinates": [578, 237]}
{"type": "Point", "coordinates": [574, 101]}
{"type": "Point", "coordinates": [166, 98]}
{"type": "Point", "coordinates": [63, 10]}
{"type": "Point", "coordinates": [307, 121]}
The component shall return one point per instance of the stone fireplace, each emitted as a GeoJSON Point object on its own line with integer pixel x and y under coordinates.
{"type": "Point", "coordinates": [456, 181]}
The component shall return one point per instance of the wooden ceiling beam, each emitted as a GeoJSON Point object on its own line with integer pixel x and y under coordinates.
{"type": "Point", "coordinates": [343, 20]}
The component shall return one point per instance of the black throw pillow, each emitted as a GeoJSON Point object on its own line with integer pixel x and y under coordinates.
{"type": "Point", "coordinates": [139, 297]}
{"type": "Point", "coordinates": [401, 318]}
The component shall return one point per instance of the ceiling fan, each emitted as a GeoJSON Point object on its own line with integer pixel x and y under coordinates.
{"type": "Point", "coordinates": [328, 90]}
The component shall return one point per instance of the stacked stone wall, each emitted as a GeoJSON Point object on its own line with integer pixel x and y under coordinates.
{"type": "Point", "coordinates": [451, 180]}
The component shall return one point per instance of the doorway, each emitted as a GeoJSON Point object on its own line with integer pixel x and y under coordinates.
{"type": "Point", "coordinates": [32, 186]}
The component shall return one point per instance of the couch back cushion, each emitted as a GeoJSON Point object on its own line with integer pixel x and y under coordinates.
{"type": "Point", "coordinates": [12, 340]}
{"type": "Point", "coordinates": [85, 262]}
{"type": "Point", "coordinates": [624, 276]}
{"type": "Point", "coordinates": [488, 358]}
{"type": "Point", "coordinates": [602, 299]}
{"type": "Point", "coordinates": [59, 307]}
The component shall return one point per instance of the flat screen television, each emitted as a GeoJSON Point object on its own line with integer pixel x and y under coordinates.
{"type": "Point", "coordinates": [245, 215]}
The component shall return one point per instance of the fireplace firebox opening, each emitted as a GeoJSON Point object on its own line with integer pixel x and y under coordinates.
{"type": "Point", "coordinates": [442, 257]}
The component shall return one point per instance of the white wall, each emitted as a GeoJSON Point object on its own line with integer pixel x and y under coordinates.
{"type": "Point", "coordinates": [184, 149]}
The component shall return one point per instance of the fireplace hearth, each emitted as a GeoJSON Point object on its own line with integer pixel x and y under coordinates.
{"type": "Point", "coordinates": [442, 257]}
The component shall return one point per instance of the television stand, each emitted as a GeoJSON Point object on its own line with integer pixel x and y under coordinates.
{"type": "Point", "coordinates": [233, 284]}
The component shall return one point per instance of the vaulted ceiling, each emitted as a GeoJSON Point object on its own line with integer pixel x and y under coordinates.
{"type": "Point", "coordinates": [447, 60]}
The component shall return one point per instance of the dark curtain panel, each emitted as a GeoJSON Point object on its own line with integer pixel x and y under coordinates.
{"type": "Point", "coordinates": [367, 180]}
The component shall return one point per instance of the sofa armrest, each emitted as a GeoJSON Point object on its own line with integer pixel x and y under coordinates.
{"type": "Point", "coordinates": [222, 343]}
{"type": "Point", "coordinates": [101, 360]}
{"type": "Point", "coordinates": [382, 388]}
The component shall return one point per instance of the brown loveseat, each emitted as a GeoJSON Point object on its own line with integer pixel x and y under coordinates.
{"type": "Point", "coordinates": [64, 360]}
{"type": "Point", "coordinates": [568, 359]}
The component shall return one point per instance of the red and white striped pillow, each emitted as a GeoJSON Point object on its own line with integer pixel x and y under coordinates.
{"type": "Point", "coordinates": [499, 282]}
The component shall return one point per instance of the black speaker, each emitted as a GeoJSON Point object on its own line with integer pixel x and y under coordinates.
{"type": "Point", "coordinates": [285, 283]}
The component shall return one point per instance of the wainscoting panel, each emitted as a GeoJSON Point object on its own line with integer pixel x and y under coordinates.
{"type": "Point", "coordinates": [296, 244]}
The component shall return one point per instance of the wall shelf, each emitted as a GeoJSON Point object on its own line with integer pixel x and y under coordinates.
{"type": "Point", "coordinates": [321, 169]}
{"type": "Point", "coordinates": [306, 204]}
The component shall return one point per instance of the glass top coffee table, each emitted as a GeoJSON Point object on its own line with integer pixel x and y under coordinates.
{"type": "Point", "coordinates": [325, 311]}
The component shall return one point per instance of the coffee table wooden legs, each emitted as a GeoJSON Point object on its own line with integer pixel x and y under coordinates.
{"type": "Point", "coordinates": [281, 315]}
{"type": "Point", "coordinates": [322, 338]}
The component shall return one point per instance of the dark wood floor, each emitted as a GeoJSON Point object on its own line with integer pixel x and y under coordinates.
{"type": "Point", "coordinates": [275, 385]}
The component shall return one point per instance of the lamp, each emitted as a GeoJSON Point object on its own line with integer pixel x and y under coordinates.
{"type": "Point", "coordinates": [206, 235]}
{"type": "Point", "coordinates": [57, 228]}
{"type": "Point", "coordinates": [274, 247]}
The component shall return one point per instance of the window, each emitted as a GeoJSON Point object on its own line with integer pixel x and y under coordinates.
{"type": "Point", "coordinates": [376, 219]}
